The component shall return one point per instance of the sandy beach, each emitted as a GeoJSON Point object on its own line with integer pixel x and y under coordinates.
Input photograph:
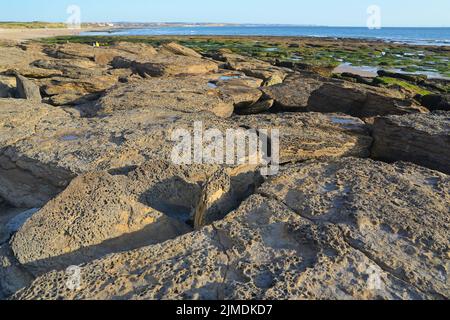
{"type": "Point", "coordinates": [29, 34]}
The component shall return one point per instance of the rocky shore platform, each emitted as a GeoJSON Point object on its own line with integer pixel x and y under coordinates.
{"type": "Point", "coordinates": [93, 207]}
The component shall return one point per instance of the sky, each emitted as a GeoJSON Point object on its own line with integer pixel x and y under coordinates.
{"type": "Point", "coordinates": [394, 13]}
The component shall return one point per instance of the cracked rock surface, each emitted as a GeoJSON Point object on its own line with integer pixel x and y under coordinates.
{"type": "Point", "coordinates": [420, 138]}
{"type": "Point", "coordinates": [343, 229]}
{"type": "Point", "coordinates": [44, 156]}
{"type": "Point", "coordinates": [303, 92]}
{"type": "Point", "coordinates": [88, 178]}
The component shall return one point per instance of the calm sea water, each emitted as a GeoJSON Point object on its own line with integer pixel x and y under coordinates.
{"type": "Point", "coordinates": [420, 36]}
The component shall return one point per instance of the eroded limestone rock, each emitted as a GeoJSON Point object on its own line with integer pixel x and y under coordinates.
{"type": "Point", "coordinates": [39, 159]}
{"type": "Point", "coordinates": [94, 216]}
{"type": "Point", "coordinates": [347, 229]}
{"type": "Point", "coordinates": [397, 216]}
{"type": "Point", "coordinates": [26, 89]}
{"type": "Point", "coordinates": [138, 49]}
{"type": "Point", "coordinates": [166, 65]}
{"type": "Point", "coordinates": [180, 94]}
{"type": "Point", "coordinates": [100, 213]}
{"type": "Point", "coordinates": [419, 138]}
{"type": "Point", "coordinates": [305, 136]}
{"type": "Point", "coordinates": [254, 68]}
{"type": "Point", "coordinates": [13, 276]}
{"type": "Point", "coordinates": [304, 93]}
{"type": "Point", "coordinates": [15, 58]}
{"type": "Point", "coordinates": [180, 50]}
{"type": "Point", "coordinates": [112, 198]}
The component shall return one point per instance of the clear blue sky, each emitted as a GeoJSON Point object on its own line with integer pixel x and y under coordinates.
{"type": "Point", "coordinates": [318, 12]}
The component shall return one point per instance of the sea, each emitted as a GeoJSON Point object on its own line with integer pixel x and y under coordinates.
{"type": "Point", "coordinates": [416, 36]}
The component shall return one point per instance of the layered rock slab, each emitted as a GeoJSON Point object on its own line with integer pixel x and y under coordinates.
{"type": "Point", "coordinates": [71, 74]}
{"type": "Point", "coordinates": [100, 55]}
{"type": "Point", "coordinates": [423, 139]}
{"type": "Point", "coordinates": [100, 213]}
{"type": "Point", "coordinates": [41, 154]}
{"type": "Point", "coordinates": [27, 182]}
{"type": "Point", "coordinates": [39, 160]}
{"type": "Point", "coordinates": [26, 89]}
{"type": "Point", "coordinates": [396, 215]}
{"type": "Point", "coordinates": [181, 50]}
{"type": "Point", "coordinates": [304, 136]}
{"type": "Point", "coordinates": [59, 146]}
{"type": "Point", "coordinates": [96, 215]}
{"type": "Point", "coordinates": [301, 92]}
{"type": "Point", "coordinates": [16, 58]}
{"type": "Point", "coordinates": [271, 75]}
{"type": "Point", "coordinates": [314, 232]}
{"type": "Point", "coordinates": [182, 94]}
{"type": "Point", "coordinates": [166, 65]}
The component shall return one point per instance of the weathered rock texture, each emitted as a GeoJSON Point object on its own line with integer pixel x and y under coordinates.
{"type": "Point", "coordinates": [87, 176]}
{"type": "Point", "coordinates": [253, 68]}
{"type": "Point", "coordinates": [40, 157]}
{"type": "Point", "coordinates": [420, 138]}
{"type": "Point", "coordinates": [27, 89]}
{"type": "Point", "coordinates": [437, 102]}
{"type": "Point", "coordinates": [305, 136]}
{"type": "Point", "coordinates": [166, 65]}
{"type": "Point", "coordinates": [99, 213]}
{"type": "Point", "coordinates": [301, 92]}
{"type": "Point", "coordinates": [187, 95]}
{"type": "Point", "coordinates": [349, 229]}
{"type": "Point", "coordinates": [95, 215]}
{"type": "Point", "coordinates": [181, 50]}
{"type": "Point", "coordinates": [25, 182]}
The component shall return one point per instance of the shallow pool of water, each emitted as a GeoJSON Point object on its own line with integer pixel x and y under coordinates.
{"type": "Point", "coordinates": [69, 138]}
{"type": "Point", "coordinates": [340, 120]}
{"type": "Point", "coordinates": [230, 77]}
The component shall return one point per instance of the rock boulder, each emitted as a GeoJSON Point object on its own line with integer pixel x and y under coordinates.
{"type": "Point", "coordinates": [423, 139]}
{"type": "Point", "coordinates": [178, 49]}
{"type": "Point", "coordinates": [301, 92]}
{"type": "Point", "coordinates": [28, 90]}
{"type": "Point", "coordinates": [436, 102]}
{"type": "Point", "coordinates": [320, 230]}
{"type": "Point", "coordinates": [166, 65]}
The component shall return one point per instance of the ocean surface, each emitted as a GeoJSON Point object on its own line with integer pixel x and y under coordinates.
{"type": "Point", "coordinates": [418, 36]}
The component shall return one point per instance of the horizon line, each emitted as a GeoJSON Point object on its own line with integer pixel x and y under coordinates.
{"type": "Point", "coordinates": [222, 23]}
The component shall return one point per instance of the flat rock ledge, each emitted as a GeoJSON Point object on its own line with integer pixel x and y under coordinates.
{"type": "Point", "coordinates": [305, 92]}
{"type": "Point", "coordinates": [86, 138]}
{"type": "Point", "coordinates": [423, 139]}
{"type": "Point", "coordinates": [344, 229]}
{"type": "Point", "coordinates": [44, 148]}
